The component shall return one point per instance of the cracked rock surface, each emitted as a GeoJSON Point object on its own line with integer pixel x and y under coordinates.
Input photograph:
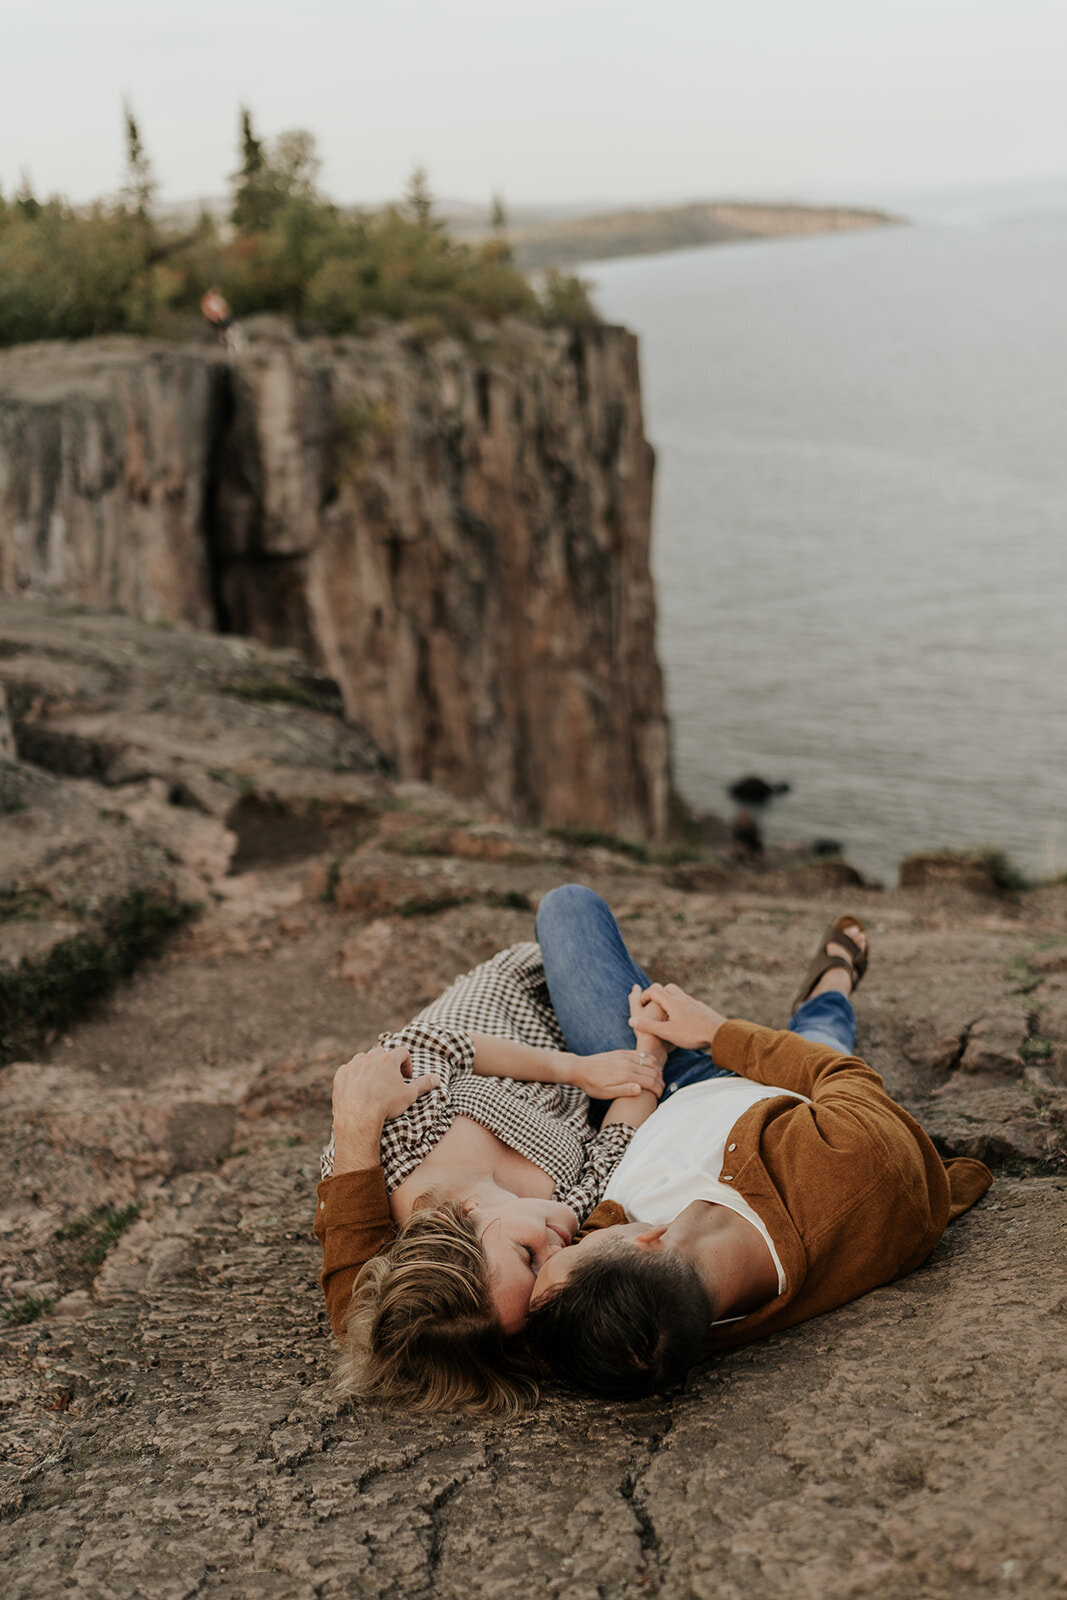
{"type": "Point", "coordinates": [168, 1427]}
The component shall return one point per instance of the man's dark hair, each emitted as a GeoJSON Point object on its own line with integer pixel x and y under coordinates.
{"type": "Point", "coordinates": [624, 1324]}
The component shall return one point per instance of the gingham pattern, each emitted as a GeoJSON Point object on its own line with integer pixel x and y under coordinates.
{"type": "Point", "coordinates": [507, 998]}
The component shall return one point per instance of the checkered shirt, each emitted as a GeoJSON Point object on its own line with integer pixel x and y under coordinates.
{"type": "Point", "coordinates": [507, 998]}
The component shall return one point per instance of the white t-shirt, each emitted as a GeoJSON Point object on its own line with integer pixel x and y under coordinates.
{"type": "Point", "coordinates": [676, 1157]}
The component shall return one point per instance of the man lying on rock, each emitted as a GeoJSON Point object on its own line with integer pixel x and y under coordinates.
{"type": "Point", "coordinates": [777, 1180]}
{"type": "Point", "coordinates": [780, 1182]}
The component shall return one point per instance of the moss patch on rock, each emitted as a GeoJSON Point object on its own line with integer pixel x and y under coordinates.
{"type": "Point", "coordinates": [40, 996]}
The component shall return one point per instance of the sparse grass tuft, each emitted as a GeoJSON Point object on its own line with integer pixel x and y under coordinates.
{"type": "Point", "coordinates": [430, 908]}
{"type": "Point", "coordinates": [600, 839]}
{"type": "Point", "coordinates": [508, 900]}
{"type": "Point", "coordinates": [101, 1229]}
{"type": "Point", "coordinates": [23, 905]}
{"type": "Point", "coordinates": [1021, 976]}
{"type": "Point", "coordinates": [272, 691]}
{"type": "Point", "coordinates": [663, 855]}
{"type": "Point", "coordinates": [19, 1312]}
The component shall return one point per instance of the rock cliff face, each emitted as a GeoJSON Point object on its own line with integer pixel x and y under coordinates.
{"type": "Point", "coordinates": [458, 534]}
{"type": "Point", "coordinates": [104, 451]}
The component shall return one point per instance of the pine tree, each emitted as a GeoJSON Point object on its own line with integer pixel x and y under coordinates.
{"type": "Point", "coordinates": [419, 200]}
{"type": "Point", "coordinates": [26, 202]}
{"type": "Point", "coordinates": [248, 213]}
{"type": "Point", "coordinates": [139, 189]}
{"type": "Point", "coordinates": [498, 248]}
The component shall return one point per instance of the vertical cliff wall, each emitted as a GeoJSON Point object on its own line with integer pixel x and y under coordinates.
{"type": "Point", "coordinates": [457, 533]}
{"type": "Point", "coordinates": [104, 449]}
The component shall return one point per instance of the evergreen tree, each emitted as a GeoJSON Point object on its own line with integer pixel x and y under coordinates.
{"type": "Point", "coordinates": [498, 248]}
{"type": "Point", "coordinates": [138, 191]}
{"type": "Point", "coordinates": [271, 178]}
{"type": "Point", "coordinates": [419, 200]}
{"type": "Point", "coordinates": [248, 212]}
{"type": "Point", "coordinates": [26, 202]}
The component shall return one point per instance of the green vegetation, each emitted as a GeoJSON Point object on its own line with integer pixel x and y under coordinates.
{"type": "Point", "coordinates": [599, 839]}
{"type": "Point", "coordinates": [39, 997]}
{"type": "Point", "coordinates": [670, 855]}
{"type": "Point", "coordinates": [101, 1229]}
{"type": "Point", "coordinates": [24, 905]}
{"type": "Point", "coordinates": [69, 272]}
{"type": "Point", "coordinates": [566, 300]}
{"type": "Point", "coordinates": [1021, 976]}
{"type": "Point", "coordinates": [270, 690]}
{"type": "Point", "coordinates": [1035, 1049]}
{"type": "Point", "coordinates": [508, 900]}
{"type": "Point", "coordinates": [19, 1312]}
{"type": "Point", "coordinates": [333, 878]}
{"type": "Point", "coordinates": [431, 907]}
{"type": "Point", "coordinates": [357, 423]}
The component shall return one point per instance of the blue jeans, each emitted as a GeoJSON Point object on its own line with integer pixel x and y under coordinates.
{"type": "Point", "coordinates": [590, 973]}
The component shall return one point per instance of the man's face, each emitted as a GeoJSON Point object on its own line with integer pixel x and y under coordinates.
{"type": "Point", "coordinates": [602, 1241]}
{"type": "Point", "coordinates": [519, 1238]}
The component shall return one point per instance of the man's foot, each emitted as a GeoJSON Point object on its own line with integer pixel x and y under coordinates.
{"type": "Point", "coordinates": [838, 964]}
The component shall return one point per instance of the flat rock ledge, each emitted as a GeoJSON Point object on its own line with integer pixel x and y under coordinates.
{"type": "Point", "coordinates": [168, 1425]}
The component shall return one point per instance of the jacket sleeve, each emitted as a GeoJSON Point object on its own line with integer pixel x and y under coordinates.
{"type": "Point", "coordinates": [352, 1223]}
{"type": "Point", "coordinates": [853, 1143]}
{"type": "Point", "coordinates": [784, 1060]}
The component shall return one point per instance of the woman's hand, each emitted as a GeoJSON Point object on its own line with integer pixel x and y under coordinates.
{"type": "Point", "coordinates": [616, 1074]}
{"type": "Point", "coordinates": [376, 1085]}
{"type": "Point", "coordinates": [674, 1016]}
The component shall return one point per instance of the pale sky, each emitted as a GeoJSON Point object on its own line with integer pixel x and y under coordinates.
{"type": "Point", "coordinates": [559, 100]}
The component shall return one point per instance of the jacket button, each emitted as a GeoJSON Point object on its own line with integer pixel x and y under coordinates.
{"type": "Point", "coordinates": [727, 1177]}
{"type": "Point", "coordinates": [731, 1147]}
{"type": "Point", "coordinates": [322, 1205]}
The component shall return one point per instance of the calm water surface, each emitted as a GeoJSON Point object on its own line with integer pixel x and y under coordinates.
{"type": "Point", "coordinates": [861, 528]}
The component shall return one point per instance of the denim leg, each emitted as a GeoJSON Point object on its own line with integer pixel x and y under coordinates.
{"type": "Point", "coordinates": [827, 1019]}
{"type": "Point", "coordinates": [590, 973]}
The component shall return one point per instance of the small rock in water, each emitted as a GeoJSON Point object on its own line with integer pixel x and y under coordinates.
{"type": "Point", "coordinates": [826, 847]}
{"type": "Point", "coordinates": [753, 791]}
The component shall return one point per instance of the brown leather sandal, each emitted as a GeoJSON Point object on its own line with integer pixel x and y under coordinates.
{"type": "Point", "coordinates": [854, 963]}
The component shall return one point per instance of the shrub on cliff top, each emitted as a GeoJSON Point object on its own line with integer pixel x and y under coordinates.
{"type": "Point", "coordinates": [69, 273]}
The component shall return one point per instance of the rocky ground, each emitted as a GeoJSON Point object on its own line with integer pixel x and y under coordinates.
{"type": "Point", "coordinates": [168, 1425]}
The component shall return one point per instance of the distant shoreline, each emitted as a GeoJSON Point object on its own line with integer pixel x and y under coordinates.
{"type": "Point", "coordinates": [651, 231]}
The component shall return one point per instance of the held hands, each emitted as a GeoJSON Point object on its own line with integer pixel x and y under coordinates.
{"type": "Point", "coordinates": [376, 1085]}
{"type": "Point", "coordinates": [670, 1014]}
{"type": "Point", "coordinates": [618, 1074]}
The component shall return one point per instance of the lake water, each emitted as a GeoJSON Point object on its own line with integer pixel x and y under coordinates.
{"type": "Point", "coordinates": [861, 528]}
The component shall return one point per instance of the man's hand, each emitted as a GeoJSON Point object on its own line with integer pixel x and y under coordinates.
{"type": "Point", "coordinates": [674, 1016]}
{"type": "Point", "coordinates": [376, 1085]}
{"type": "Point", "coordinates": [373, 1086]}
{"type": "Point", "coordinates": [617, 1073]}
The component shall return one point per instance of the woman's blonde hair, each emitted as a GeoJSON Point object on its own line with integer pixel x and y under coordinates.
{"type": "Point", "coordinates": [422, 1331]}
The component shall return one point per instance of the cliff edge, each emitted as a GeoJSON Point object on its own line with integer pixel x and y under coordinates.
{"type": "Point", "coordinates": [458, 534]}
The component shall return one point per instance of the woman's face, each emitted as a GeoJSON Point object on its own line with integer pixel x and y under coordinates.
{"type": "Point", "coordinates": [518, 1236]}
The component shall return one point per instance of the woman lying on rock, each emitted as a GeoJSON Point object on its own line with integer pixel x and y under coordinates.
{"type": "Point", "coordinates": [462, 1159]}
